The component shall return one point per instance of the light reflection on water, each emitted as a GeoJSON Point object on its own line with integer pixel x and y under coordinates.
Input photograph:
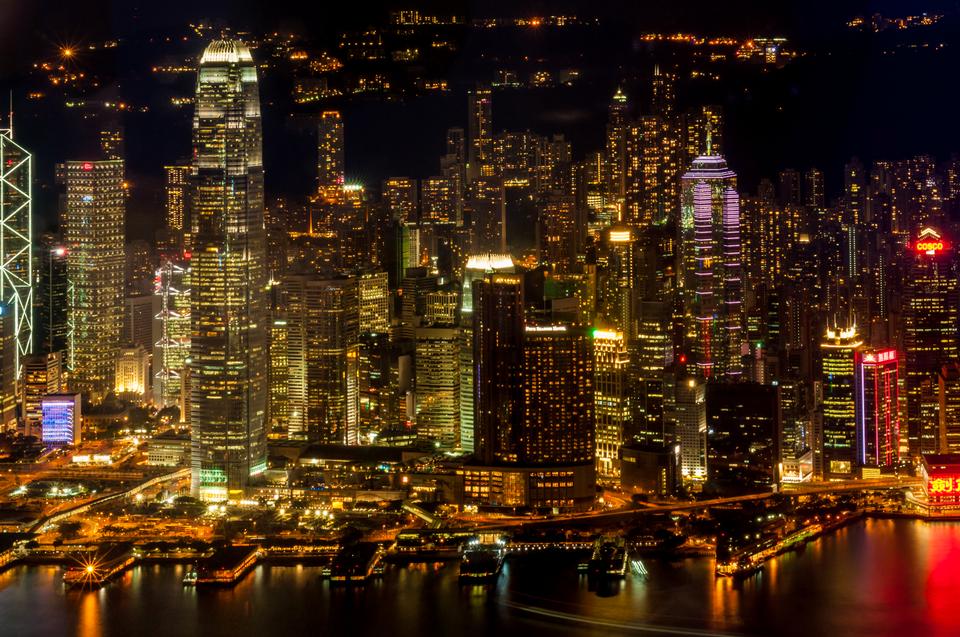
{"type": "Point", "coordinates": [877, 578]}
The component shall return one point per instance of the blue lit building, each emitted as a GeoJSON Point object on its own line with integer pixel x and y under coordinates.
{"type": "Point", "coordinates": [60, 424]}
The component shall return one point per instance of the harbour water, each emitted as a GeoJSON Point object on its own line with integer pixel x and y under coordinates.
{"type": "Point", "coordinates": [873, 578]}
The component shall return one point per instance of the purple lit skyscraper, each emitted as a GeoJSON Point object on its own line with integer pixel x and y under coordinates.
{"type": "Point", "coordinates": [711, 269]}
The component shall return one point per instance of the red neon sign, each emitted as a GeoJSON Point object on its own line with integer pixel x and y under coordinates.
{"type": "Point", "coordinates": [948, 484]}
{"type": "Point", "coordinates": [931, 247]}
{"type": "Point", "coordinates": [886, 356]}
{"type": "Point", "coordinates": [87, 165]}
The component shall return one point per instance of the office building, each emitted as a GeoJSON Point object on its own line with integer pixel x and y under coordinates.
{"type": "Point", "coordinates": [611, 400]}
{"type": "Point", "coordinates": [228, 316]}
{"type": "Point", "coordinates": [931, 310]}
{"type": "Point", "coordinates": [8, 369]}
{"type": "Point", "coordinates": [839, 351]}
{"type": "Point", "coordinates": [743, 437]}
{"type": "Point", "coordinates": [176, 188]}
{"type": "Point", "coordinates": [438, 385]}
{"type": "Point", "coordinates": [50, 300]}
{"type": "Point", "coordinates": [93, 234]}
{"type": "Point", "coordinates": [133, 372]}
{"type": "Point", "coordinates": [878, 408]}
{"type": "Point", "coordinates": [42, 375]}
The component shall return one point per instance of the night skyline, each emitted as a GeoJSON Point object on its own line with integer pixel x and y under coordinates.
{"type": "Point", "coordinates": [475, 318]}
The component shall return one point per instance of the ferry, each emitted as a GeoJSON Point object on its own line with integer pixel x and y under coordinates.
{"type": "Point", "coordinates": [227, 566]}
{"type": "Point", "coordinates": [357, 563]}
{"type": "Point", "coordinates": [98, 567]}
{"type": "Point", "coordinates": [609, 557]}
{"type": "Point", "coordinates": [482, 557]}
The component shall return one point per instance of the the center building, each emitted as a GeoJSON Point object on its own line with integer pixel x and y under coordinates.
{"type": "Point", "coordinates": [533, 407]}
{"type": "Point", "coordinates": [228, 362]}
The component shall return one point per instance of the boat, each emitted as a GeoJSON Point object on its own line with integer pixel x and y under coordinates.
{"type": "Point", "coordinates": [481, 558]}
{"type": "Point", "coordinates": [97, 568]}
{"type": "Point", "coordinates": [227, 566]}
{"type": "Point", "coordinates": [357, 563]}
{"type": "Point", "coordinates": [609, 557]}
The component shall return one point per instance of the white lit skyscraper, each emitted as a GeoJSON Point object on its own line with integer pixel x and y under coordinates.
{"type": "Point", "coordinates": [16, 230]}
{"type": "Point", "coordinates": [228, 366]}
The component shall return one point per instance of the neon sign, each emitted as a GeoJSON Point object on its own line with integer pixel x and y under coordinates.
{"type": "Point", "coordinates": [930, 242]}
{"type": "Point", "coordinates": [87, 165]}
{"type": "Point", "coordinates": [885, 356]}
{"type": "Point", "coordinates": [943, 485]}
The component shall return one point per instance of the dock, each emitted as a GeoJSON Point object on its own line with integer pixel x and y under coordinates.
{"type": "Point", "coordinates": [357, 563]}
{"type": "Point", "coordinates": [227, 566]}
{"type": "Point", "coordinates": [96, 568]}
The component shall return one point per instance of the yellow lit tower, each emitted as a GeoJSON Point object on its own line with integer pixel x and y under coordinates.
{"type": "Point", "coordinates": [228, 358]}
{"type": "Point", "coordinates": [840, 349]}
{"type": "Point", "coordinates": [616, 152]}
{"type": "Point", "coordinates": [330, 162]}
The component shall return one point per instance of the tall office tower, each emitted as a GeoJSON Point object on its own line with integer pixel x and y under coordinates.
{"type": "Point", "coordinates": [702, 132]}
{"type": "Point", "coordinates": [653, 352]}
{"type": "Point", "coordinates": [373, 298]}
{"type": "Point", "coordinates": [228, 314]}
{"type": "Point", "coordinates": [813, 194]}
{"type": "Point", "coordinates": [949, 407]}
{"type": "Point", "coordinates": [498, 322]}
{"type": "Point", "coordinates": [440, 200]}
{"type": "Point", "coordinates": [50, 297]}
{"type": "Point", "coordinates": [441, 306]}
{"type": "Point", "coordinates": [930, 313]}
{"type": "Point", "coordinates": [139, 267]}
{"type": "Point", "coordinates": [652, 172]}
{"type": "Point", "coordinates": [788, 187]}
{"type": "Point", "coordinates": [690, 416]}
{"type": "Point", "coordinates": [479, 133]}
{"type": "Point", "coordinates": [171, 329]}
{"type": "Point", "coordinates": [710, 269]}
{"type": "Point", "coordinates": [438, 385]}
{"type": "Point", "coordinates": [558, 412]}
{"type": "Point", "coordinates": [322, 352]}
{"type": "Point", "coordinates": [8, 369]}
{"type": "Point", "coordinates": [111, 141]}
{"type": "Point", "coordinates": [330, 162]}
{"type": "Point", "coordinates": [558, 245]}
{"type": "Point", "coordinates": [854, 192]}
{"type": "Point", "coordinates": [42, 375]}
{"type": "Point", "coordinates": [486, 208]}
{"type": "Point", "coordinates": [616, 293]}
{"type": "Point", "coordinates": [478, 266]}
{"type": "Point", "coordinates": [878, 408]}
{"type": "Point", "coordinates": [839, 351]}
{"type": "Point", "coordinates": [16, 235]}
{"type": "Point", "coordinates": [93, 226]}
{"type": "Point", "coordinates": [611, 400]}
{"type": "Point", "coordinates": [743, 437]}
{"type": "Point", "coordinates": [138, 317]}
{"type": "Point", "coordinates": [618, 115]}
{"type": "Point", "coordinates": [176, 186]}
{"type": "Point", "coordinates": [400, 198]}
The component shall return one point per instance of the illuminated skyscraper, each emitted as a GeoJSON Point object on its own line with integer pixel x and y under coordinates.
{"type": "Point", "coordinates": [711, 269]}
{"type": "Point", "coordinates": [322, 354]}
{"type": "Point", "coordinates": [949, 408]}
{"type": "Point", "coordinates": [652, 172]}
{"type": "Point", "coordinates": [440, 200]}
{"type": "Point", "coordinates": [400, 198]}
{"type": "Point", "coordinates": [330, 162]}
{"type": "Point", "coordinates": [616, 288]}
{"type": "Point", "coordinates": [93, 231]}
{"type": "Point", "coordinates": [839, 350]}
{"type": "Point", "coordinates": [558, 242]}
{"type": "Point", "coordinates": [690, 415]}
{"type": "Point", "coordinates": [618, 114]}
{"type": "Point", "coordinates": [16, 235]}
{"type": "Point", "coordinates": [480, 133]}
{"type": "Point", "coordinates": [878, 409]}
{"type": "Point", "coordinates": [558, 411]}
{"type": "Point", "coordinates": [438, 385]}
{"type": "Point", "coordinates": [228, 358]}
{"type": "Point", "coordinates": [930, 315]}
{"type": "Point", "coordinates": [498, 321]}
{"type": "Point", "coordinates": [611, 400]}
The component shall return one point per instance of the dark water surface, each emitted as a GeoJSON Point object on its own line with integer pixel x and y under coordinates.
{"type": "Point", "coordinates": [876, 578]}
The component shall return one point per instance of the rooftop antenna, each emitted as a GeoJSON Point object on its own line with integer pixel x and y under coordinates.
{"type": "Point", "coordinates": [709, 137]}
{"type": "Point", "coordinates": [10, 116]}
